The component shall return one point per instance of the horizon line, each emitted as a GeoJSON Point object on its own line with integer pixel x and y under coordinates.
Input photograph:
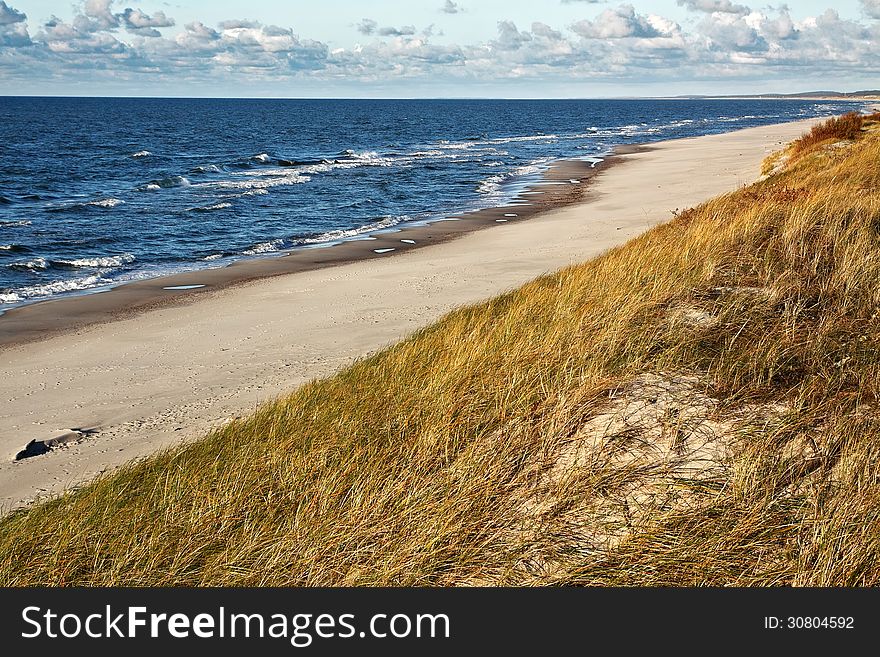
{"type": "Point", "coordinates": [815, 95]}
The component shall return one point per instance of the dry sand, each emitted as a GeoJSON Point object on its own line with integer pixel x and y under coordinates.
{"type": "Point", "coordinates": [162, 376]}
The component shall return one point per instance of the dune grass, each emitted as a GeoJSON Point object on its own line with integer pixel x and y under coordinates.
{"type": "Point", "coordinates": [697, 407]}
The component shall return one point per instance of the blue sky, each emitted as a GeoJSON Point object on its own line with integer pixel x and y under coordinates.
{"type": "Point", "coordinates": [417, 48]}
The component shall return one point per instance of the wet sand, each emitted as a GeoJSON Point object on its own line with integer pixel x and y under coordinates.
{"type": "Point", "coordinates": [148, 375]}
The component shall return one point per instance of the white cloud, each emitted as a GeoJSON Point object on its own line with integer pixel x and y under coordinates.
{"type": "Point", "coordinates": [100, 14]}
{"type": "Point", "coordinates": [618, 23]}
{"type": "Point", "coordinates": [715, 6]}
{"type": "Point", "coordinates": [369, 27]}
{"type": "Point", "coordinates": [13, 28]}
{"type": "Point", "coordinates": [8, 15]}
{"type": "Point", "coordinates": [450, 7]}
{"type": "Point", "coordinates": [871, 8]}
{"type": "Point", "coordinates": [137, 22]}
{"type": "Point", "coordinates": [509, 37]}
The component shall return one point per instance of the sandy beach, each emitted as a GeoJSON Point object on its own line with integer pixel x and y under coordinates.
{"type": "Point", "coordinates": [170, 372]}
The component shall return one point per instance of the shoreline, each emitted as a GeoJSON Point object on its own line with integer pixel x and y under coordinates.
{"type": "Point", "coordinates": [565, 182]}
{"type": "Point", "coordinates": [123, 389]}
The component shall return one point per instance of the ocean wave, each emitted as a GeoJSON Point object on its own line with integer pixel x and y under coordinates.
{"type": "Point", "coordinates": [44, 264]}
{"type": "Point", "coordinates": [372, 158]}
{"type": "Point", "coordinates": [211, 208]}
{"type": "Point", "coordinates": [253, 180]}
{"type": "Point", "coordinates": [334, 235]}
{"type": "Point", "coordinates": [14, 248]}
{"type": "Point", "coordinates": [106, 202]}
{"type": "Point", "coordinates": [264, 247]}
{"type": "Point", "coordinates": [141, 154]}
{"type": "Point", "coordinates": [300, 163]}
{"type": "Point", "coordinates": [55, 287]}
{"type": "Point", "coordinates": [37, 264]}
{"type": "Point", "coordinates": [166, 183]}
{"type": "Point", "coordinates": [106, 262]}
{"type": "Point", "coordinates": [14, 224]}
{"type": "Point", "coordinates": [455, 146]}
{"type": "Point", "coordinates": [262, 157]}
{"type": "Point", "coordinates": [207, 168]}
{"type": "Point", "coordinates": [513, 140]}
{"type": "Point", "coordinates": [492, 185]}
{"type": "Point", "coordinates": [5, 201]}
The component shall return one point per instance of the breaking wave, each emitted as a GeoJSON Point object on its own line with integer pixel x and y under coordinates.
{"type": "Point", "coordinates": [211, 208]}
{"type": "Point", "coordinates": [49, 289]}
{"type": "Point", "coordinates": [106, 202]}
{"type": "Point", "coordinates": [167, 183]}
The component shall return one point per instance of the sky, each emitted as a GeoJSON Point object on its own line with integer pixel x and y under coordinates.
{"type": "Point", "coordinates": [436, 48]}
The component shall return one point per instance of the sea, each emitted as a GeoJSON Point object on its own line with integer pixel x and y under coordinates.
{"type": "Point", "coordinates": [95, 192]}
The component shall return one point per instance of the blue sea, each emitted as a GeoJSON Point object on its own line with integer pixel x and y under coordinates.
{"type": "Point", "coordinates": [98, 191]}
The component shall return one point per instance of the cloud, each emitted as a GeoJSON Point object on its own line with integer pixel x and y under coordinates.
{"type": "Point", "coordinates": [715, 6]}
{"type": "Point", "coordinates": [137, 22]}
{"type": "Point", "coordinates": [367, 26]}
{"type": "Point", "coordinates": [450, 7]}
{"type": "Point", "coordinates": [370, 27]}
{"type": "Point", "coordinates": [618, 23]}
{"type": "Point", "coordinates": [591, 2]}
{"type": "Point", "coordinates": [509, 37]}
{"type": "Point", "coordinates": [871, 8]}
{"type": "Point", "coordinates": [102, 18]}
{"type": "Point", "coordinates": [730, 33]}
{"type": "Point", "coordinates": [236, 23]}
{"type": "Point", "coordinates": [406, 30]}
{"type": "Point", "coordinates": [9, 16]}
{"type": "Point", "coordinates": [13, 28]}
{"type": "Point", "coordinates": [544, 31]}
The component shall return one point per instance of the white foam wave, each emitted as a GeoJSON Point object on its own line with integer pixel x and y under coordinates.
{"type": "Point", "coordinates": [510, 140]}
{"type": "Point", "coordinates": [335, 235]}
{"type": "Point", "coordinates": [253, 180]}
{"type": "Point", "coordinates": [208, 208]}
{"type": "Point", "coordinates": [371, 158]}
{"type": "Point", "coordinates": [262, 157]}
{"type": "Point", "coordinates": [264, 247]}
{"type": "Point", "coordinates": [55, 287]}
{"type": "Point", "coordinates": [251, 192]}
{"type": "Point", "coordinates": [208, 168]}
{"type": "Point", "coordinates": [107, 262]}
{"type": "Point", "coordinates": [141, 154]}
{"type": "Point", "coordinates": [14, 224]}
{"type": "Point", "coordinates": [492, 185]}
{"type": "Point", "coordinates": [107, 202]}
{"type": "Point", "coordinates": [167, 183]}
{"type": "Point", "coordinates": [36, 264]}
{"type": "Point", "coordinates": [456, 146]}
{"type": "Point", "coordinates": [213, 256]}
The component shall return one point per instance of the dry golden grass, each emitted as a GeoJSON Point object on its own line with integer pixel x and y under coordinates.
{"type": "Point", "coordinates": [697, 407]}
